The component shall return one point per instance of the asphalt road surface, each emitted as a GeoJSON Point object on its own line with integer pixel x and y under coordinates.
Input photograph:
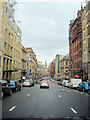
{"type": "Point", "coordinates": [55, 102]}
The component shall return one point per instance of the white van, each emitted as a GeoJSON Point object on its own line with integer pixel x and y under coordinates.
{"type": "Point", "coordinates": [75, 82]}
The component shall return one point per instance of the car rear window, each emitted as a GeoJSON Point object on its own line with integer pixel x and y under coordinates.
{"type": "Point", "coordinates": [3, 84]}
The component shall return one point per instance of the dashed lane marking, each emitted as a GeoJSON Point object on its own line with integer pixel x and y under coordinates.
{"type": "Point", "coordinates": [12, 108]}
{"type": "Point", "coordinates": [28, 94]}
{"type": "Point", "coordinates": [59, 95]}
{"type": "Point", "coordinates": [86, 94]}
{"type": "Point", "coordinates": [73, 110]}
{"type": "Point", "coordinates": [68, 90]}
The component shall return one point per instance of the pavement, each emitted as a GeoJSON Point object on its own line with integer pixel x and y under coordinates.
{"type": "Point", "coordinates": [55, 102]}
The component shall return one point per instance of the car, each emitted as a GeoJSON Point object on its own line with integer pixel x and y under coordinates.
{"type": "Point", "coordinates": [44, 84]}
{"type": "Point", "coordinates": [65, 83]}
{"type": "Point", "coordinates": [38, 81]}
{"type": "Point", "coordinates": [27, 83]}
{"type": "Point", "coordinates": [52, 80]}
{"type": "Point", "coordinates": [59, 83]}
{"type": "Point", "coordinates": [70, 85]}
{"type": "Point", "coordinates": [6, 88]}
{"type": "Point", "coordinates": [84, 86]}
{"type": "Point", "coordinates": [32, 82]}
{"type": "Point", "coordinates": [89, 88]}
{"type": "Point", "coordinates": [15, 85]}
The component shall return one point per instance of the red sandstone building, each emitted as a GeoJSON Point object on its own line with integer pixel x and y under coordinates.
{"type": "Point", "coordinates": [75, 46]}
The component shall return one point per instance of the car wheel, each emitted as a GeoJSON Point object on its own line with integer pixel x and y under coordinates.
{"type": "Point", "coordinates": [2, 95]}
{"type": "Point", "coordinates": [20, 89]}
{"type": "Point", "coordinates": [16, 90]}
{"type": "Point", "coordinates": [10, 92]}
{"type": "Point", "coordinates": [83, 89]}
{"type": "Point", "coordinates": [78, 89]}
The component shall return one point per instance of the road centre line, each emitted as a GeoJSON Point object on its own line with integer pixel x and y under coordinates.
{"type": "Point", "coordinates": [12, 108]}
{"type": "Point", "coordinates": [59, 95]}
{"type": "Point", "coordinates": [28, 94]}
{"type": "Point", "coordinates": [73, 110]}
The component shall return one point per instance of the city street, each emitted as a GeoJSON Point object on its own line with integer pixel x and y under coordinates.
{"type": "Point", "coordinates": [55, 102]}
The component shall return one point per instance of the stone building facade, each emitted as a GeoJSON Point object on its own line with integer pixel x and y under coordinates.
{"type": "Point", "coordinates": [76, 46]}
{"type": "Point", "coordinates": [86, 41]}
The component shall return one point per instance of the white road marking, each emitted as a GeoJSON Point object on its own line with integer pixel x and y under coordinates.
{"type": "Point", "coordinates": [12, 108]}
{"type": "Point", "coordinates": [87, 95]}
{"type": "Point", "coordinates": [73, 110]}
{"type": "Point", "coordinates": [59, 95]}
{"type": "Point", "coordinates": [28, 94]}
{"type": "Point", "coordinates": [77, 91]}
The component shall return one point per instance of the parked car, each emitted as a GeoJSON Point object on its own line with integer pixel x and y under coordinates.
{"type": "Point", "coordinates": [52, 80]}
{"type": "Point", "coordinates": [70, 85]}
{"type": "Point", "coordinates": [89, 87]}
{"type": "Point", "coordinates": [15, 85]}
{"type": "Point", "coordinates": [65, 83]}
{"type": "Point", "coordinates": [84, 86]}
{"type": "Point", "coordinates": [44, 84]}
{"type": "Point", "coordinates": [59, 83]}
{"type": "Point", "coordinates": [6, 88]}
{"type": "Point", "coordinates": [32, 82]}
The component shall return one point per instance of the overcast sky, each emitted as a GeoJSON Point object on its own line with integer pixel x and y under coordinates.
{"type": "Point", "coordinates": [45, 26]}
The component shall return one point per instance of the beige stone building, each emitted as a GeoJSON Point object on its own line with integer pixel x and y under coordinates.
{"type": "Point", "coordinates": [64, 67]}
{"type": "Point", "coordinates": [57, 66]}
{"type": "Point", "coordinates": [0, 40]}
{"type": "Point", "coordinates": [31, 63]}
{"type": "Point", "coordinates": [39, 69]}
{"type": "Point", "coordinates": [86, 41]}
{"type": "Point", "coordinates": [24, 63]}
{"type": "Point", "coordinates": [11, 43]}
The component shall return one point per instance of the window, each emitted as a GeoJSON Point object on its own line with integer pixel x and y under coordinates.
{"type": "Point", "coordinates": [0, 43]}
{"type": "Point", "coordinates": [0, 61]}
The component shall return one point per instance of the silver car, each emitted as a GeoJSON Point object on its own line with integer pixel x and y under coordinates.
{"type": "Point", "coordinates": [27, 83]}
{"type": "Point", "coordinates": [44, 84]}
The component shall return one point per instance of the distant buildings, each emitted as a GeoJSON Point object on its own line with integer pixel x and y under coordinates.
{"type": "Point", "coordinates": [52, 68]}
{"type": "Point", "coordinates": [23, 63]}
{"type": "Point", "coordinates": [58, 68]}
{"type": "Point", "coordinates": [64, 67]}
{"type": "Point", "coordinates": [31, 63]}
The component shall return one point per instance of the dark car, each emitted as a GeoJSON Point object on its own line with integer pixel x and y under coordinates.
{"type": "Point", "coordinates": [15, 85]}
{"type": "Point", "coordinates": [6, 89]}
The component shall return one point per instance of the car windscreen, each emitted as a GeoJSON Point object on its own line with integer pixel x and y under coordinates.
{"type": "Point", "coordinates": [12, 81]}
{"type": "Point", "coordinates": [27, 81]}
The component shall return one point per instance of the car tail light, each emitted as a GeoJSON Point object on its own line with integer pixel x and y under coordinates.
{"type": "Point", "coordinates": [47, 83]}
{"type": "Point", "coordinates": [13, 84]}
{"type": "Point", "coordinates": [85, 85]}
{"type": "Point", "coordinates": [22, 82]}
{"type": "Point", "coordinates": [41, 83]}
{"type": "Point", "coordinates": [29, 82]}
